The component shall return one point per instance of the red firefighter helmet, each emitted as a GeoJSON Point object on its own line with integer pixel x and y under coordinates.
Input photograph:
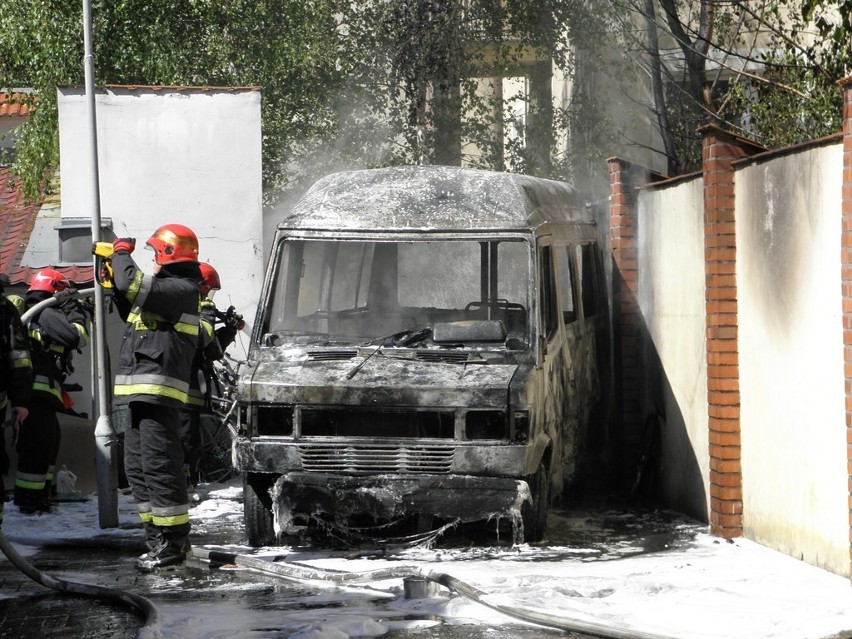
{"type": "Point", "coordinates": [49, 280]}
{"type": "Point", "coordinates": [174, 243]}
{"type": "Point", "coordinates": [209, 279]}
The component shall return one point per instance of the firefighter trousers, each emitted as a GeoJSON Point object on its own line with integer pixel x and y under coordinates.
{"type": "Point", "coordinates": [153, 463]}
{"type": "Point", "coordinates": [190, 435]}
{"type": "Point", "coordinates": [37, 447]}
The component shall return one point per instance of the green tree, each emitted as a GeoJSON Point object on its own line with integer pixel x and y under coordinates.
{"type": "Point", "coordinates": [345, 84]}
{"type": "Point", "coordinates": [288, 47]}
{"type": "Point", "coordinates": [439, 75]}
{"type": "Point", "coordinates": [378, 82]}
{"type": "Point", "coordinates": [766, 70]}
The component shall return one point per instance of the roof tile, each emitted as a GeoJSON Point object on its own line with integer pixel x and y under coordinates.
{"type": "Point", "coordinates": [17, 220]}
{"type": "Point", "coordinates": [14, 104]}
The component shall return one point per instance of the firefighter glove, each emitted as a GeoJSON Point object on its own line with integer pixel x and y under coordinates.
{"type": "Point", "coordinates": [234, 319]}
{"type": "Point", "coordinates": [124, 244]}
{"type": "Point", "coordinates": [19, 414]}
{"type": "Point", "coordinates": [65, 299]}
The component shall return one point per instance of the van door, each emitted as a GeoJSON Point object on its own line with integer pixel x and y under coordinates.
{"type": "Point", "coordinates": [572, 344]}
{"type": "Point", "coordinates": [590, 333]}
{"type": "Point", "coordinates": [558, 322]}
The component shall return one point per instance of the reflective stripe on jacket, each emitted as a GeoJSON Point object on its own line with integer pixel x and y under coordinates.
{"type": "Point", "coordinates": [16, 369]}
{"type": "Point", "coordinates": [198, 383]}
{"type": "Point", "coordinates": [161, 334]}
{"type": "Point", "coordinates": [54, 335]}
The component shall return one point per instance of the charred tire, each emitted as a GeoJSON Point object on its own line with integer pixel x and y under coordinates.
{"type": "Point", "coordinates": [534, 514]}
{"type": "Point", "coordinates": [257, 509]}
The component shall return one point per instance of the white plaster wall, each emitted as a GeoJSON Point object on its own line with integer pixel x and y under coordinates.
{"type": "Point", "coordinates": [795, 476]}
{"type": "Point", "coordinates": [187, 156]}
{"type": "Point", "coordinates": [8, 136]}
{"type": "Point", "coordinates": [671, 297]}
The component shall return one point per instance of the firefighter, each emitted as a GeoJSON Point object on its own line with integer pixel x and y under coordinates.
{"type": "Point", "coordinates": [16, 376]}
{"type": "Point", "coordinates": [155, 363]}
{"type": "Point", "coordinates": [232, 322]}
{"type": "Point", "coordinates": [190, 427]}
{"type": "Point", "coordinates": [55, 332]}
{"type": "Point", "coordinates": [212, 347]}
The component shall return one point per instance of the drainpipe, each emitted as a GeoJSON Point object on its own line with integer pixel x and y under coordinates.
{"type": "Point", "coordinates": [107, 475]}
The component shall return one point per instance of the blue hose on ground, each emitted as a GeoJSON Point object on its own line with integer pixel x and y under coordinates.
{"type": "Point", "coordinates": [151, 628]}
{"type": "Point", "coordinates": [299, 573]}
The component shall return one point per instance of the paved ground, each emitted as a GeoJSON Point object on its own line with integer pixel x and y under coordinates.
{"type": "Point", "coordinates": [29, 609]}
{"type": "Point", "coordinates": [32, 610]}
{"type": "Point", "coordinates": [222, 603]}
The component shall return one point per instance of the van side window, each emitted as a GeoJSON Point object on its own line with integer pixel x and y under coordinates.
{"type": "Point", "coordinates": [512, 273]}
{"type": "Point", "coordinates": [548, 293]}
{"type": "Point", "coordinates": [350, 279]}
{"type": "Point", "coordinates": [589, 279]}
{"type": "Point", "coordinates": [567, 291]}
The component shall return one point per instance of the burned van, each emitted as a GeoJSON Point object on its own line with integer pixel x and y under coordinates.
{"type": "Point", "coordinates": [427, 350]}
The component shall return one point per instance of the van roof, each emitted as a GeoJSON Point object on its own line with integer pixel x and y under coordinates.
{"type": "Point", "coordinates": [442, 198]}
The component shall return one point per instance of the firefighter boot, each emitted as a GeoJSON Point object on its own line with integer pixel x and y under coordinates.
{"type": "Point", "coordinates": [30, 501]}
{"type": "Point", "coordinates": [153, 535]}
{"type": "Point", "coordinates": [171, 551]}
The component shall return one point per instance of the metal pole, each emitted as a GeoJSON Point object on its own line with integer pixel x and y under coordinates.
{"type": "Point", "coordinates": [107, 474]}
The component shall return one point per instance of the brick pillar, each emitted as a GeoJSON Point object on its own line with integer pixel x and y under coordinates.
{"type": "Point", "coordinates": [846, 280]}
{"type": "Point", "coordinates": [627, 318]}
{"type": "Point", "coordinates": [720, 150]}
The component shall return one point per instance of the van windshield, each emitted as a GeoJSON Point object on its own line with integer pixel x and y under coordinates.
{"type": "Point", "coordinates": [352, 290]}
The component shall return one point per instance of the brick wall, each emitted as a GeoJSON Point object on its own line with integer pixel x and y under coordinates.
{"type": "Point", "coordinates": [846, 281]}
{"type": "Point", "coordinates": [720, 151]}
{"type": "Point", "coordinates": [626, 313]}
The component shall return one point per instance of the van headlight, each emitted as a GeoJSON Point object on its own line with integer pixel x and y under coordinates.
{"type": "Point", "coordinates": [485, 424]}
{"type": "Point", "coordinates": [521, 425]}
{"type": "Point", "coordinates": [273, 420]}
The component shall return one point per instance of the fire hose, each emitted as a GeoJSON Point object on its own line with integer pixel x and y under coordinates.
{"type": "Point", "coordinates": [298, 573]}
{"type": "Point", "coordinates": [150, 629]}
{"type": "Point", "coordinates": [50, 301]}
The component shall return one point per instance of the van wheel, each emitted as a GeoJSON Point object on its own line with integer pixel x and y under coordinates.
{"type": "Point", "coordinates": [257, 509]}
{"type": "Point", "coordinates": [534, 514]}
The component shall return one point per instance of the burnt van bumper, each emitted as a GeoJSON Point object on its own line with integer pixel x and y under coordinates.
{"type": "Point", "coordinates": [387, 498]}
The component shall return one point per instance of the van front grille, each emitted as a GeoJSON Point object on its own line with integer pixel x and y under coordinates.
{"type": "Point", "coordinates": [330, 356]}
{"type": "Point", "coordinates": [368, 422]}
{"type": "Point", "coordinates": [373, 459]}
{"type": "Point", "coordinates": [442, 356]}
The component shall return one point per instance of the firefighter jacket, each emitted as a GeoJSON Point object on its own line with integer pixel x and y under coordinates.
{"type": "Point", "coordinates": [162, 332]}
{"type": "Point", "coordinates": [55, 332]}
{"type": "Point", "coordinates": [16, 368]}
{"type": "Point", "coordinates": [208, 351]}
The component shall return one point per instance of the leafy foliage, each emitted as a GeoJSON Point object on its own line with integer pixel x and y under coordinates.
{"type": "Point", "coordinates": [471, 82]}
{"type": "Point", "coordinates": [378, 82]}
{"type": "Point", "coordinates": [286, 46]}
{"type": "Point", "coordinates": [796, 97]}
{"type": "Point", "coordinates": [766, 70]}
{"type": "Point", "coordinates": [345, 84]}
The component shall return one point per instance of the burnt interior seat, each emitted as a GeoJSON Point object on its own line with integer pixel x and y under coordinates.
{"type": "Point", "coordinates": [512, 314]}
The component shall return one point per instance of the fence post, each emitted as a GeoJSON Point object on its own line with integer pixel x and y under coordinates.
{"type": "Point", "coordinates": [846, 282]}
{"type": "Point", "coordinates": [627, 318]}
{"type": "Point", "coordinates": [720, 150]}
